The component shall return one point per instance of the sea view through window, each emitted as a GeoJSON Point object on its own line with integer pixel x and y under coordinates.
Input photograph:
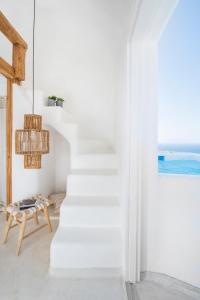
{"type": "Point", "coordinates": [179, 92]}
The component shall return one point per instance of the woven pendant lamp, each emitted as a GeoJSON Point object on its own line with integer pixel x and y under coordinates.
{"type": "Point", "coordinates": [32, 141]}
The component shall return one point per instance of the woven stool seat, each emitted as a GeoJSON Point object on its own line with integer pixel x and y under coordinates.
{"type": "Point", "coordinates": [14, 208]}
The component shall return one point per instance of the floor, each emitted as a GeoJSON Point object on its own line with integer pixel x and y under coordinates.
{"type": "Point", "coordinates": [161, 287]}
{"type": "Point", "coordinates": [27, 277]}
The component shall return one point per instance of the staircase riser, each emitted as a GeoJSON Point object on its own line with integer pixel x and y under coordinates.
{"type": "Point", "coordinates": [89, 216]}
{"type": "Point", "coordinates": [81, 256]}
{"type": "Point", "coordinates": [94, 146]}
{"type": "Point", "coordinates": [92, 185]}
{"type": "Point", "coordinates": [91, 162]}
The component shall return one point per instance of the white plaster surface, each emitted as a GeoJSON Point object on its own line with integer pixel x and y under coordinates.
{"type": "Point", "coordinates": [155, 286]}
{"type": "Point", "coordinates": [152, 291]}
{"type": "Point", "coordinates": [27, 277]}
{"type": "Point", "coordinates": [85, 62]}
{"type": "Point", "coordinates": [174, 228]}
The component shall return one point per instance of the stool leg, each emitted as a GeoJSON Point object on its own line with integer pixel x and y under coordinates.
{"type": "Point", "coordinates": [46, 214]}
{"type": "Point", "coordinates": [21, 234]}
{"type": "Point", "coordinates": [36, 218]}
{"type": "Point", "coordinates": [7, 228]}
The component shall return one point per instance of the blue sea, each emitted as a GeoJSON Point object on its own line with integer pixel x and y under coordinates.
{"type": "Point", "coordinates": [179, 159]}
{"type": "Point", "coordinates": [190, 148]}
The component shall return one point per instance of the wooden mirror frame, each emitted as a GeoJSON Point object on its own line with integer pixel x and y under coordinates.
{"type": "Point", "coordinates": [14, 73]}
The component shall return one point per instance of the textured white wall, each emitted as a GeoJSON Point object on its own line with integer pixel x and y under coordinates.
{"type": "Point", "coordinates": [80, 48]}
{"type": "Point", "coordinates": [80, 53]}
{"type": "Point", "coordinates": [175, 228]}
{"type": "Point", "coordinates": [62, 162]}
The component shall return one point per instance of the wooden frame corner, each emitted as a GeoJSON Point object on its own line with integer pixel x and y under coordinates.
{"type": "Point", "coordinates": [14, 73]}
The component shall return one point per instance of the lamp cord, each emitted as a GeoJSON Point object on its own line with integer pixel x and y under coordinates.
{"type": "Point", "coordinates": [33, 105]}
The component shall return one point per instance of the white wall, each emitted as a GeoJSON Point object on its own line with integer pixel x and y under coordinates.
{"type": "Point", "coordinates": [80, 48]}
{"type": "Point", "coordinates": [175, 227]}
{"type": "Point", "coordinates": [169, 207]}
{"type": "Point", "coordinates": [166, 209]}
{"type": "Point", "coordinates": [62, 162]}
{"type": "Point", "coordinates": [80, 51]}
{"type": "Point", "coordinates": [81, 56]}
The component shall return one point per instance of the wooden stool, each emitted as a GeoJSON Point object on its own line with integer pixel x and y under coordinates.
{"type": "Point", "coordinates": [20, 217]}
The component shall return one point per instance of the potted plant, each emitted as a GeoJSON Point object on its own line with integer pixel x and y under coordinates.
{"type": "Point", "coordinates": [52, 100]}
{"type": "Point", "coordinates": [59, 102]}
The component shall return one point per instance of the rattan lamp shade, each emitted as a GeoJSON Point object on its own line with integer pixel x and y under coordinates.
{"type": "Point", "coordinates": [32, 141]}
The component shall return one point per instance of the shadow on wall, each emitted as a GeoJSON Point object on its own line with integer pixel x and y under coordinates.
{"type": "Point", "coordinates": [62, 162]}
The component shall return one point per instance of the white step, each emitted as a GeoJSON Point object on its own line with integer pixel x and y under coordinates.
{"type": "Point", "coordinates": [86, 248]}
{"type": "Point", "coordinates": [94, 161]}
{"type": "Point", "coordinates": [90, 211]}
{"type": "Point", "coordinates": [94, 146]}
{"type": "Point", "coordinates": [93, 183]}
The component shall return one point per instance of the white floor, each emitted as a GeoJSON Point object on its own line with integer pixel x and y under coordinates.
{"type": "Point", "coordinates": [156, 286]}
{"type": "Point", "coordinates": [27, 277]}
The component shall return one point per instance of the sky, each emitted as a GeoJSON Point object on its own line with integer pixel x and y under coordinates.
{"type": "Point", "coordinates": [179, 76]}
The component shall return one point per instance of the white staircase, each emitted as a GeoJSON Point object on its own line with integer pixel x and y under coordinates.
{"type": "Point", "coordinates": [88, 236]}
